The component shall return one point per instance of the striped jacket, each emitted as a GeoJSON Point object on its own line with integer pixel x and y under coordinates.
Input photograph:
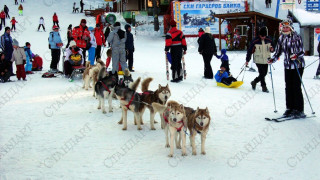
{"type": "Point", "coordinates": [290, 45]}
{"type": "Point", "coordinates": [175, 37]}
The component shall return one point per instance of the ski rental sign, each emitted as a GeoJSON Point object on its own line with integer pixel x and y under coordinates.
{"type": "Point", "coordinates": [190, 16]}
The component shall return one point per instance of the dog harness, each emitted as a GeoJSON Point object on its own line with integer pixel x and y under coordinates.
{"type": "Point", "coordinates": [129, 101]}
{"type": "Point", "coordinates": [167, 121]}
{"type": "Point", "coordinates": [106, 87]}
{"type": "Point", "coordinates": [146, 93]}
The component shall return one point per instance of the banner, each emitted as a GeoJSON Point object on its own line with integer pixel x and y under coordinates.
{"type": "Point", "coordinates": [190, 16]}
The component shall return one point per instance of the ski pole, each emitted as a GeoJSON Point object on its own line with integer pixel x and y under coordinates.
{"type": "Point", "coordinates": [295, 64]}
{"type": "Point", "coordinates": [311, 63]}
{"type": "Point", "coordinates": [273, 67]}
{"type": "Point", "coordinates": [274, 99]}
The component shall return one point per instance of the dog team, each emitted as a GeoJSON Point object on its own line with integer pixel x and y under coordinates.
{"type": "Point", "coordinates": [175, 117]}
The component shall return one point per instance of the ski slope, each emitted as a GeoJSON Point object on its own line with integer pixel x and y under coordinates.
{"type": "Point", "coordinates": [52, 129]}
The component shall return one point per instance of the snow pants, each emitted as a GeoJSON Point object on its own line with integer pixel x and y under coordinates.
{"type": "Point", "coordinates": [207, 65]}
{"type": "Point", "coordinates": [130, 59]}
{"type": "Point", "coordinates": [294, 97]}
{"type": "Point", "coordinates": [118, 55]}
{"type": "Point", "coordinates": [21, 73]}
{"type": "Point", "coordinates": [92, 54]}
{"type": "Point", "coordinates": [98, 52]}
{"type": "Point", "coordinates": [176, 55]}
{"type": "Point", "coordinates": [228, 81]}
{"type": "Point", "coordinates": [55, 54]}
{"type": "Point", "coordinates": [28, 66]}
{"type": "Point", "coordinates": [263, 70]}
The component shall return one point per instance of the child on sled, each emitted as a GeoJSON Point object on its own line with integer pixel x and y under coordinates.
{"type": "Point", "coordinates": [222, 76]}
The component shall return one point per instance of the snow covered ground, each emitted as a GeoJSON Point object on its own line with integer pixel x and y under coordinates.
{"type": "Point", "coordinates": [52, 129]}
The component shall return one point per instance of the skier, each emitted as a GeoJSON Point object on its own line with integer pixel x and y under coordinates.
{"type": "Point", "coordinates": [28, 52]}
{"type": "Point", "coordinates": [100, 40]}
{"type": "Point", "coordinates": [55, 45]}
{"type": "Point", "coordinates": [3, 18]}
{"type": "Point", "coordinates": [176, 43]}
{"type": "Point", "coordinates": [41, 23]}
{"type": "Point", "coordinates": [81, 6]}
{"type": "Point", "coordinates": [55, 20]}
{"type": "Point", "coordinates": [6, 10]}
{"type": "Point", "coordinates": [129, 47]}
{"type": "Point", "coordinates": [117, 39]}
{"type": "Point", "coordinates": [92, 50]}
{"type": "Point", "coordinates": [81, 35]}
{"type": "Point", "coordinates": [13, 23]}
{"type": "Point", "coordinates": [20, 9]}
{"type": "Point", "coordinates": [318, 70]}
{"type": "Point", "coordinates": [290, 43]}
{"type": "Point", "coordinates": [261, 47]}
{"type": "Point", "coordinates": [207, 48]}
{"type": "Point", "coordinates": [69, 35]}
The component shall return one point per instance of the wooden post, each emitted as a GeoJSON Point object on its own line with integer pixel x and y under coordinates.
{"type": "Point", "coordinates": [220, 34]}
{"type": "Point", "coordinates": [255, 26]}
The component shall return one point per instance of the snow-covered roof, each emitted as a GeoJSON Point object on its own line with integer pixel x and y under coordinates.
{"type": "Point", "coordinates": [306, 18]}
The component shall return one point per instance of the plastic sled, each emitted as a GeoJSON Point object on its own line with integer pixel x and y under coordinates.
{"type": "Point", "coordinates": [235, 84]}
{"type": "Point", "coordinates": [120, 73]}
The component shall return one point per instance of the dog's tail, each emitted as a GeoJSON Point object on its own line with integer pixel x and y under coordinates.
{"type": "Point", "coordinates": [99, 61]}
{"type": "Point", "coordinates": [87, 64]}
{"type": "Point", "coordinates": [102, 72]}
{"type": "Point", "coordinates": [135, 84]}
{"type": "Point", "coordinates": [158, 107]}
{"type": "Point", "coordinates": [145, 84]}
{"type": "Point", "coordinates": [126, 72]}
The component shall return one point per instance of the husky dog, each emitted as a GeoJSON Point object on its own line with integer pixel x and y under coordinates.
{"type": "Point", "coordinates": [198, 122]}
{"type": "Point", "coordinates": [129, 100]}
{"type": "Point", "coordinates": [176, 122]}
{"type": "Point", "coordinates": [104, 88]}
{"type": "Point", "coordinates": [91, 73]}
{"type": "Point", "coordinates": [127, 78]}
{"type": "Point", "coordinates": [161, 95]}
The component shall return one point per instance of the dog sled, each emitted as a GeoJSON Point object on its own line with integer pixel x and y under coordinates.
{"type": "Point", "coordinates": [234, 84]}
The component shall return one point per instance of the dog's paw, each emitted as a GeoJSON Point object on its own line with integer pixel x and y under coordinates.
{"type": "Point", "coordinates": [110, 110]}
{"type": "Point", "coordinates": [194, 153]}
{"type": "Point", "coordinates": [139, 128]}
{"type": "Point", "coordinates": [184, 154]}
{"type": "Point", "coordinates": [141, 123]}
{"type": "Point", "coordinates": [203, 153]}
{"type": "Point", "coordinates": [153, 128]}
{"type": "Point", "coordinates": [104, 112]}
{"type": "Point", "coordinates": [99, 107]}
{"type": "Point", "coordinates": [120, 122]}
{"type": "Point", "coordinates": [86, 89]}
{"type": "Point", "coordinates": [178, 147]}
{"type": "Point", "coordinates": [170, 155]}
{"type": "Point", "coordinates": [167, 146]}
{"type": "Point", "coordinates": [124, 129]}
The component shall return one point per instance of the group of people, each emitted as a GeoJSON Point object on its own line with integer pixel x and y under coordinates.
{"type": "Point", "coordinates": [24, 59]}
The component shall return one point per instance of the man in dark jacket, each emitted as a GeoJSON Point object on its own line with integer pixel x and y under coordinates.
{"type": "Point", "coordinates": [81, 6]}
{"type": "Point", "coordinates": [4, 69]}
{"type": "Point", "coordinates": [207, 48]}
{"type": "Point", "coordinates": [129, 46]}
{"type": "Point", "coordinates": [318, 70]}
{"type": "Point", "coordinates": [6, 10]}
{"type": "Point", "coordinates": [176, 43]}
{"type": "Point", "coordinates": [6, 45]}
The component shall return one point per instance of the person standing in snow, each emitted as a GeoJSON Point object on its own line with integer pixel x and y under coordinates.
{"type": "Point", "coordinates": [81, 6]}
{"type": "Point", "coordinates": [13, 23]}
{"type": "Point", "coordinates": [117, 39]}
{"type": "Point", "coordinates": [69, 35]}
{"type": "Point", "coordinates": [4, 69]}
{"type": "Point", "coordinates": [6, 46]}
{"type": "Point", "coordinates": [16, 2]}
{"type": "Point", "coordinates": [100, 40]}
{"type": "Point", "coordinates": [129, 47]}
{"type": "Point", "coordinates": [93, 42]}
{"type": "Point", "coordinates": [207, 48]}
{"type": "Point", "coordinates": [20, 9]}
{"type": "Point", "coordinates": [27, 50]}
{"type": "Point", "coordinates": [41, 23]}
{"type": "Point", "coordinates": [318, 70]}
{"type": "Point", "coordinates": [176, 43]}
{"type": "Point", "coordinates": [74, 7]}
{"type": "Point", "coordinates": [81, 36]}
{"type": "Point", "coordinates": [3, 18]}
{"type": "Point", "coordinates": [19, 57]}
{"type": "Point", "coordinates": [55, 46]}
{"type": "Point", "coordinates": [261, 47]}
{"type": "Point", "coordinates": [55, 20]}
{"type": "Point", "coordinates": [6, 10]}
{"type": "Point", "coordinates": [291, 45]}
{"type": "Point", "coordinates": [107, 32]}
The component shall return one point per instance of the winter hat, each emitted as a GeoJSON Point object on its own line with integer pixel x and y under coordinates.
{"type": "Point", "coordinates": [173, 23]}
{"type": "Point", "coordinates": [223, 51]}
{"type": "Point", "coordinates": [83, 21]}
{"type": "Point", "coordinates": [126, 27]}
{"type": "Point", "coordinates": [55, 27]}
{"type": "Point", "coordinates": [27, 44]}
{"type": "Point", "coordinates": [263, 31]}
{"type": "Point", "coordinates": [70, 26]}
{"type": "Point", "coordinates": [90, 28]}
{"type": "Point", "coordinates": [200, 30]}
{"type": "Point", "coordinates": [15, 42]}
{"type": "Point", "coordinates": [6, 29]}
{"type": "Point", "coordinates": [287, 23]}
{"type": "Point", "coordinates": [73, 43]}
{"type": "Point", "coordinates": [207, 30]}
{"type": "Point", "coordinates": [116, 24]}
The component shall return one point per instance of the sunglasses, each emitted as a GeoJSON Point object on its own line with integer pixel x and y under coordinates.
{"type": "Point", "coordinates": [285, 24]}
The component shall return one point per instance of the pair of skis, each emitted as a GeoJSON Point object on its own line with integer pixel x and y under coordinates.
{"type": "Point", "coordinates": [286, 118]}
{"type": "Point", "coordinates": [183, 67]}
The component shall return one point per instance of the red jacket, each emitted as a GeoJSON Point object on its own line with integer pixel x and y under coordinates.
{"type": "Point", "coordinates": [175, 37]}
{"type": "Point", "coordinates": [78, 32]}
{"type": "Point", "coordinates": [55, 18]}
{"type": "Point", "coordinates": [2, 15]}
{"type": "Point", "coordinates": [98, 34]}
{"type": "Point", "coordinates": [13, 21]}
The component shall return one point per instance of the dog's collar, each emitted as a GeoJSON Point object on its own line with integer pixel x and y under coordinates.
{"type": "Point", "coordinates": [146, 93]}
{"type": "Point", "coordinates": [198, 128]}
{"type": "Point", "coordinates": [106, 87]}
{"type": "Point", "coordinates": [129, 101]}
{"type": "Point", "coordinates": [165, 117]}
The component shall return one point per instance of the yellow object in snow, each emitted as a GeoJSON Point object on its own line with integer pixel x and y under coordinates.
{"type": "Point", "coordinates": [120, 73]}
{"type": "Point", "coordinates": [235, 84]}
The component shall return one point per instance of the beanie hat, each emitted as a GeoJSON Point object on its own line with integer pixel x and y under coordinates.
{"type": "Point", "coordinates": [223, 51]}
{"type": "Point", "coordinates": [207, 30]}
{"type": "Point", "coordinates": [55, 27]}
{"type": "Point", "coordinates": [90, 28]}
{"type": "Point", "coordinates": [263, 31]}
{"type": "Point", "coordinates": [116, 24]}
{"type": "Point", "coordinates": [73, 43]}
{"type": "Point", "coordinates": [15, 42]}
{"type": "Point", "coordinates": [70, 26]}
{"type": "Point", "coordinates": [287, 23]}
{"type": "Point", "coordinates": [83, 21]}
{"type": "Point", "coordinates": [173, 23]}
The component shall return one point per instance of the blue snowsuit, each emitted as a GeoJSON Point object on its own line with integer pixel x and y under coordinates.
{"type": "Point", "coordinates": [224, 59]}
{"type": "Point", "coordinates": [28, 52]}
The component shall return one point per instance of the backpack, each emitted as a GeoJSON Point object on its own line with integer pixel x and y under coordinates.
{"type": "Point", "coordinates": [51, 33]}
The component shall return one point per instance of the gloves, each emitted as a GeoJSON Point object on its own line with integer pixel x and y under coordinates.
{"type": "Point", "coordinates": [293, 57]}
{"type": "Point", "coordinates": [270, 61]}
{"type": "Point", "coordinates": [184, 52]}
{"type": "Point", "coordinates": [247, 63]}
